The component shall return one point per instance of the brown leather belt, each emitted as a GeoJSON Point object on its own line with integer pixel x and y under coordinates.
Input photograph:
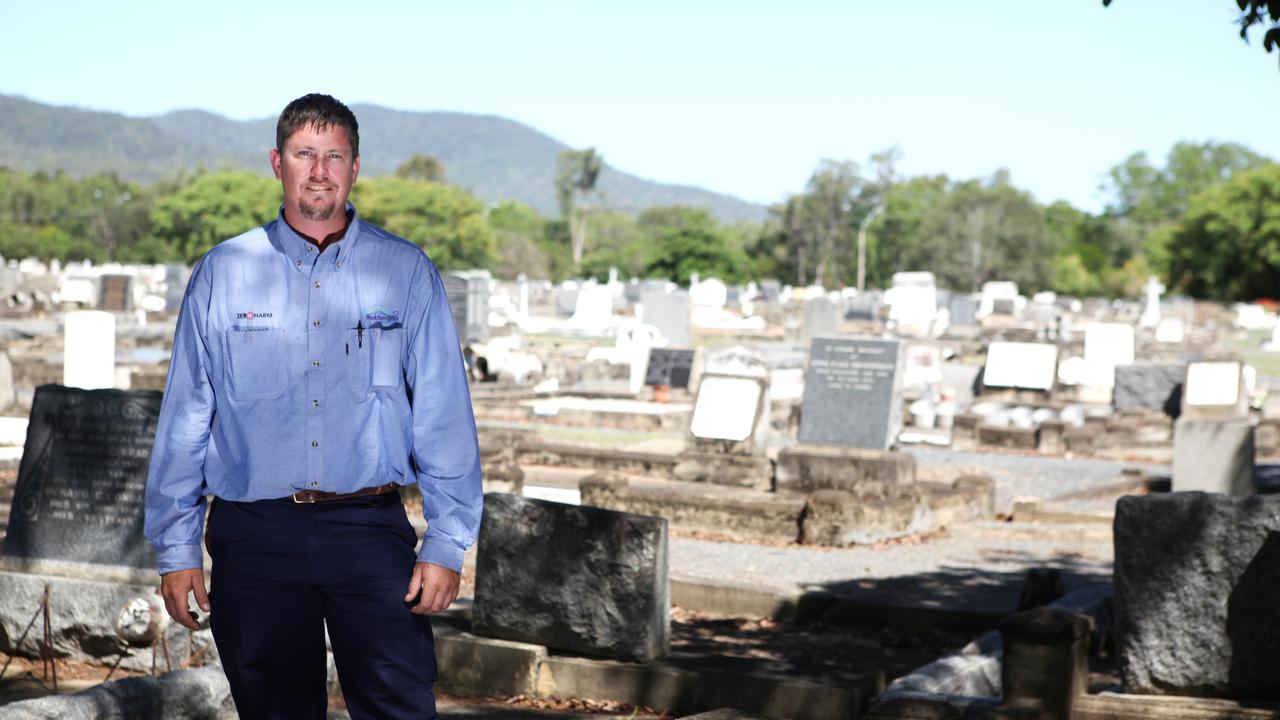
{"type": "Point", "coordinates": [306, 497]}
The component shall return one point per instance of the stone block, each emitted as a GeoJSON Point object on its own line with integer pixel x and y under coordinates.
{"type": "Point", "coordinates": [964, 431]}
{"type": "Point", "coordinates": [1152, 386]}
{"type": "Point", "coordinates": [1083, 440]}
{"type": "Point", "coordinates": [1052, 440]}
{"type": "Point", "coordinates": [1046, 660]}
{"type": "Point", "coordinates": [837, 518]}
{"type": "Point", "coordinates": [193, 694]}
{"type": "Point", "coordinates": [574, 578]}
{"type": "Point", "coordinates": [733, 512]}
{"type": "Point", "coordinates": [805, 468]}
{"type": "Point", "coordinates": [1213, 456]}
{"type": "Point", "coordinates": [1266, 437]}
{"type": "Point", "coordinates": [471, 665]}
{"type": "Point", "coordinates": [1197, 594]}
{"type": "Point", "coordinates": [746, 471]}
{"type": "Point", "coordinates": [1012, 438]}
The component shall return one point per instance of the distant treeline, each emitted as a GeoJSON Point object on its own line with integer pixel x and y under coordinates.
{"type": "Point", "coordinates": [1207, 221]}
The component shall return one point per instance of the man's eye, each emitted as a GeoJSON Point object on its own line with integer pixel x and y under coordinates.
{"type": "Point", "coordinates": [304, 153]}
{"type": "Point", "coordinates": [335, 156]}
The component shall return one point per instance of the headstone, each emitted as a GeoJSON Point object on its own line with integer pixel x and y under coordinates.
{"type": "Point", "coordinates": [1024, 366]}
{"type": "Point", "coordinates": [468, 295]}
{"type": "Point", "coordinates": [78, 504]}
{"type": "Point", "coordinates": [729, 408]}
{"type": "Point", "coordinates": [1004, 306]}
{"type": "Point", "coordinates": [923, 366]}
{"type": "Point", "coordinates": [669, 312]}
{"type": "Point", "coordinates": [1108, 344]}
{"type": "Point", "coordinates": [738, 360]}
{"type": "Point", "coordinates": [593, 310]}
{"type": "Point", "coordinates": [1170, 330]}
{"type": "Point", "coordinates": [8, 391]}
{"type": "Point", "coordinates": [89, 354]}
{"type": "Point", "coordinates": [669, 366]}
{"type": "Point", "coordinates": [964, 310]}
{"type": "Point", "coordinates": [913, 302]}
{"type": "Point", "coordinates": [1151, 309]}
{"type": "Point", "coordinates": [573, 578]}
{"type": "Point", "coordinates": [770, 290]}
{"type": "Point", "coordinates": [821, 317]}
{"type": "Point", "coordinates": [1214, 455]}
{"type": "Point", "coordinates": [1197, 587]}
{"type": "Point", "coordinates": [863, 308]}
{"type": "Point", "coordinates": [1150, 386]}
{"type": "Point", "coordinates": [1214, 390]}
{"type": "Point", "coordinates": [115, 293]}
{"type": "Point", "coordinates": [853, 393]}
{"type": "Point", "coordinates": [998, 290]}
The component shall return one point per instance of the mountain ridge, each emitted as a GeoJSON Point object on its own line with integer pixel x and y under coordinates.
{"type": "Point", "coordinates": [494, 157]}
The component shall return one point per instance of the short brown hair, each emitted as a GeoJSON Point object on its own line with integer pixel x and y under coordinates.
{"type": "Point", "coordinates": [319, 111]}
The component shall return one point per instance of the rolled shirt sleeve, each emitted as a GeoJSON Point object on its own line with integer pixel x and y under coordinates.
{"type": "Point", "coordinates": [446, 455]}
{"type": "Point", "coordinates": [175, 483]}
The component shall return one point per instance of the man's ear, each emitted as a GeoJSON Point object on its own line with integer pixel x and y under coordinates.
{"type": "Point", "coordinates": [275, 162]}
{"type": "Point", "coordinates": [355, 169]}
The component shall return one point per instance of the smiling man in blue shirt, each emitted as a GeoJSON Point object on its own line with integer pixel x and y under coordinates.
{"type": "Point", "coordinates": [315, 370]}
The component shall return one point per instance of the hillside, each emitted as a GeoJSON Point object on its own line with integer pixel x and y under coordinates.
{"type": "Point", "coordinates": [494, 157]}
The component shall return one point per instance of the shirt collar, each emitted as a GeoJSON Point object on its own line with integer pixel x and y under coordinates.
{"type": "Point", "coordinates": [302, 253]}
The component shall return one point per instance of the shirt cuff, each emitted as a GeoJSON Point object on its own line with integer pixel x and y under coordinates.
{"type": "Point", "coordinates": [441, 551]}
{"type": "Point", "coordinates": [179, 557]}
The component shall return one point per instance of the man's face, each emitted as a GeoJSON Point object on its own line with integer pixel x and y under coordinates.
{"type": "Point", "coordinates": [316, 170]}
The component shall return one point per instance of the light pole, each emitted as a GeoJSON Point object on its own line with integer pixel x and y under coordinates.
{"type": "Point", "coordinates": [862, 246]}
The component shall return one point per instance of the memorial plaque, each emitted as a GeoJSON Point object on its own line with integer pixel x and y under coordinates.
{"type": "Point", "coordinates": [727, 408]}
{"type": "Point", "coordinates": [115, 293]}
{"type": "Point", "coordinates": [81, 490]}
{"type": "Point", "coordinates": [1029, 366]}
{"type": "Point", "coordinates": [1215, 390]}
{"type": "Point", "coordinates": [852, 393]}
{"type": "Point", "coordinates": [669, 366]}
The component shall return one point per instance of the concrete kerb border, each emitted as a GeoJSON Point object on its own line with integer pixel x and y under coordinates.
{"type": "Point", "coordinates": [195, 693]}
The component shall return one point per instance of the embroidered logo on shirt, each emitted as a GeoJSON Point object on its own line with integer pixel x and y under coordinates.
{"type": "Point", "coordinates": [250, 315]}
{"type": "Point", "coordinates": [379, 318]}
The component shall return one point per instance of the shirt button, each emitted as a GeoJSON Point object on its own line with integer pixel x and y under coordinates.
{"type": "Point", "coordinates": [317, 284]}
{"type": "Point", "coordinates": [315, 403]}
{"type": "Point", "coordinates": [315, 323]}
{"type": "Point", "coordinates": [298, 263]}
{"type": "Point", "coordinates": [314, 483]}
{"type": "Point", "coordinates": [315, 444]}
{"type": "Point", "coordinates": [315, 363]}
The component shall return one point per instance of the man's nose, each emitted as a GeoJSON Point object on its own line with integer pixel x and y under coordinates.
{"type": "Point", "coordinates": [319, 168]}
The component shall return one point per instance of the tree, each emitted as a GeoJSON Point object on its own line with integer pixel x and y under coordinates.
{"type": "Point", "coordinates": [1149, 195]}
{"type": "Point", "coordinates": [446, 221]}
{"type": "Point", "coordinates": [575, 181]}
{"type": "Point", "coordinates": [427, 168]}
{"type": "Point", "coordinates": [1227, 247]}
{"type": "Point", "coordinates": [1254, 12]}
{"type": "Point", "coordinates": [680, 253]}
{"type": "Point", "coordinates": [213, 208]}
{"type": "Point", "coordinates": [518, 230]}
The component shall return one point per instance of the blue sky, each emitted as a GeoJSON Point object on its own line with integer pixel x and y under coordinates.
{"type": "Point", "coordinates": [738, 97]}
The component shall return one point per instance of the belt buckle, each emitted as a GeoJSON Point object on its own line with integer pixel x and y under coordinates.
{"type": "Point", "coordinates": [303, 497]}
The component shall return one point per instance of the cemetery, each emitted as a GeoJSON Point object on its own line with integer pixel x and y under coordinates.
{"type": "Point", "coordinates": [771, 500]}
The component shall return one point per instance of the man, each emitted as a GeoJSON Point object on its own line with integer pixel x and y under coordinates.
{"type": "Point", "coordinates": [315, 370]}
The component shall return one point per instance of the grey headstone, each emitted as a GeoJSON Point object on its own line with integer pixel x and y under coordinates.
{"type": "Point", "coordinates": [669, 312]}
{"type": "Point", "coordinates": [468, 295]}
{"type": "Point", "coordinates": [8, 392]}
{"type": "Point", "coordinates": [853, 393]}
{"type": "Point", "coordinates": [79, 501]}
{"type": "Point", "coordinates": [821, 317]}
{"type": "Point", "coordinates": [863, 308]}
{"type": "Point", "coordinates": [1197, 591]}
{"type": "Point", "coordinates": [1149, 386]}
{"type": "Point", "coordinates": [1004, 306]}
{"type": "Point", "coordinates": [571, 577]}
{"type": "Point", "coordinates": [770, 290]}
{"type": "Point", "coordinates": [115, 293]}
{"type": "Point", "coordinates": [1213, 455]}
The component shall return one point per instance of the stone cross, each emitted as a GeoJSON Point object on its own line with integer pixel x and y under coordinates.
{"type": "Point", "coordinates": [1151, 311]}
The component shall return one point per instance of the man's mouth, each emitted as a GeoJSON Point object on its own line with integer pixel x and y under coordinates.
{"type": "Point", "coordinates": [318, 188]}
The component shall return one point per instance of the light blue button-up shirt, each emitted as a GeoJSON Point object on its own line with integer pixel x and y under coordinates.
{"type": "Point", "coordinates": [297, 370]}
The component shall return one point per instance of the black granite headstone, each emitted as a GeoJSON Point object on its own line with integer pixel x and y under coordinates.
{"type": "Point", "coordinates": [82, 482]}
{"type": "Point", "coordinates": [669, 366]}
{"type": "Point", "coordinates": [853, 393]}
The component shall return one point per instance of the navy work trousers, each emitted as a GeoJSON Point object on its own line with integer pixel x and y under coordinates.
{"type": "Point", "coordinates": [282, 572]}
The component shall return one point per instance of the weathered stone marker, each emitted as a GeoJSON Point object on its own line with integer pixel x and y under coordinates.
{"type": "Point", "coordinates": [1150, 386]}
{"type": "Point", "coordinates": [1214, 455]}
{"type": "Point", "coordinates": [853, 393]}
{"type": "Point", "coordinates": [78, 504]}
{"type": "Point", "coordinates": [573, 578]}
{"type": "Point", "coordinates": [1197, 590]}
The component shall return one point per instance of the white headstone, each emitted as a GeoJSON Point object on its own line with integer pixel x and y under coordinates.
{"type": "Point", "coordinates": [1029, 366]}
{"type": "Point", "coordinates": [726, 408]}
{"type": "Point", "coordinates": [923, 366]}
{"type": "Point", "coordinates": [593, 308]}
{"type": "Point", "coordinates": [1106, 345]}
{"type": "Point", "coordinates": [1151, 310]}
{"type": "Point", "coordinates": [1212, 384]}
{"type": "Point", "coordinates": [913, 302]}
{"type": "Point", "coordinates": [993, 291]}
{"type": "Point", "coordinates": [1170, 330]}
{"type": "Point", "coordinates": [89, 357]}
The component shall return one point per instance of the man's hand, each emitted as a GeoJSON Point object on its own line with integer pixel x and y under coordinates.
{"type": "Point", "coordinates": [438, 586]}
{"type": "Point", "coordinates": [175, 586]}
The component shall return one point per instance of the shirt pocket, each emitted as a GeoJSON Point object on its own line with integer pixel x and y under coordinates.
{"type": "Point", "coordinates": [254, 365]}
{"type": "Point", "coordinates": [387, 350]}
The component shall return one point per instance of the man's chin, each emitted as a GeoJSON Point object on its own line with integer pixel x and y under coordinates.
{"type": "Point", "coordinates": [317, 213]}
